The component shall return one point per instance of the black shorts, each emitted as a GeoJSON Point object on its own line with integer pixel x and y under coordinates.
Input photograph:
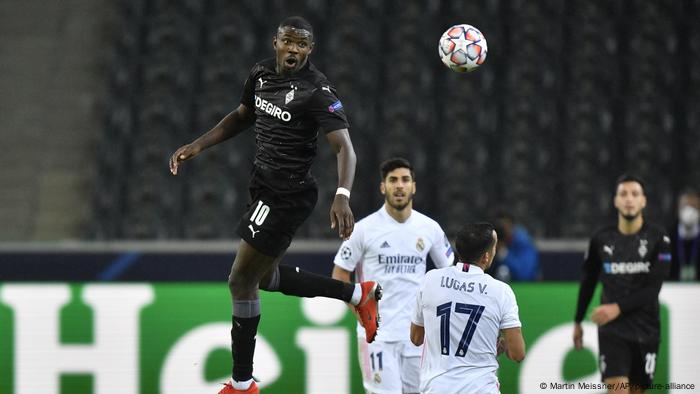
{"type": "Point", "coordinates": [278, 206]}
{"type": "Point", "coordinates": [622, 357]}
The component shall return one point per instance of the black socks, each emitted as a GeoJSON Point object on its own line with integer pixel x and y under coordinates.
{"type": "Point", "coordinates": [243, 335]}
{"type": "Point", "coordinates": [295, 282]}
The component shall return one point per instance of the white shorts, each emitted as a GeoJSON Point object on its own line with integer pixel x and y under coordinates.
{"type": "Point", "coordinates": [389, 367]}
{"type": "Point", "coordinates": [462, 384]}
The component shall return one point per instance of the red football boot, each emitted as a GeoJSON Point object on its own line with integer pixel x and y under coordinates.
{"type": "Point", "coordinates": [228, 389]}
{"type": "Point", "coordinates": [368, 308]}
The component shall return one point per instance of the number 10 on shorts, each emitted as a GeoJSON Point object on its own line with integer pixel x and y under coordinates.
{"type": "Point", "coordinates": [260, 214]}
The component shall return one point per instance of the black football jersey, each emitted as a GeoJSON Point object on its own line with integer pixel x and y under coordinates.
{"type": "Point", "coordinates": [290, 110]}
{"type": "Point", "coordinates": [632, 269]}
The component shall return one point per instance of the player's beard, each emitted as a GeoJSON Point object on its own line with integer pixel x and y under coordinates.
{"type": "Point", "coordinates": [631, 216]}
{"type": "Point", "coordinates": [401, 207]}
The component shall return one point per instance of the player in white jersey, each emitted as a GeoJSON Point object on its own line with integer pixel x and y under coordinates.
{"type": "Point", "coordinates": [459, 313]}
{"type": "Point", "coordinates": [391, 247]}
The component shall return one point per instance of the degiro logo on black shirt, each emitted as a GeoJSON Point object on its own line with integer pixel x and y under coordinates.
{"type": "Point", "coordinates": [627, 267]}
{"type": "Point", "coordinates": [272, 109]}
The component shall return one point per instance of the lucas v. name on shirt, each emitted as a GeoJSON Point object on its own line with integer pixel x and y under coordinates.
{"type": "Point", "coordinates": [469, 287]}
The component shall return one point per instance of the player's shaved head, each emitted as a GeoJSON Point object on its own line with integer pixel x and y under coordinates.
{"type": "Point", "coordinates": [300, 26]}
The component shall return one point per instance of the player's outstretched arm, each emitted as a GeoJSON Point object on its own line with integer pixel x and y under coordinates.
{"type": "Point", "coordinates": [515, 344]}
{"type": "Point", "coordinates": [341, 214]}
{"type": "Point", "coordinates": [231, 125]}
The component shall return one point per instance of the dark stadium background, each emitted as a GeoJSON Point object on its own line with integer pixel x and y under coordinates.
{"type": "Point", "coordinates": [572, 95]}
{"type": "Point", "coordinates": [96, 95]}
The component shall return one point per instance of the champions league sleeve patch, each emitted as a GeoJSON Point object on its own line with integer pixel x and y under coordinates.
{"type": "Point", "coordinates": [666, 257]}
{"type": "Point", "coordinates": [337, 106]}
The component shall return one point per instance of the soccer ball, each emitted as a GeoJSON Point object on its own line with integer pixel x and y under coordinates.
{"type": "Point", "coordinates": [462, 48]}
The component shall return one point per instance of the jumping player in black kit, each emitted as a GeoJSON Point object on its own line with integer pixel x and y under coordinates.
{"type": "Point", "coordinates": [632, 260]}
{"type": "Point", "coordinates": [288, 100]}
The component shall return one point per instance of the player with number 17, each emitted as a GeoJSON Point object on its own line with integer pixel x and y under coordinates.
{"type": "Point", "coordinates": [459, 313]}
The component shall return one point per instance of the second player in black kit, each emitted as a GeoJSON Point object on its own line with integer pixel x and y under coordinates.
{"type": "Point", "coordinates": [631, 259]}
{"type": "Point", "coordinates": [289, 101]}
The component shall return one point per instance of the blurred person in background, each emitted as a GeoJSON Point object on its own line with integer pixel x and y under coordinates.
{"type": "Point", "coordinates": [289, 101]}
{"type": "Point", "coordinates": [517, 258]}
{"type": "Point", "coordinates": [391, 247]}
{"type": "Point", "coordinates": [631, 259]}
{"type": "Point", "coordinates": [685, 239]}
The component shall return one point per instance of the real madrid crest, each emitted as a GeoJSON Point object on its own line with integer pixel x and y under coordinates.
{"type": "Point", "coordinates": [377, 377]}
{"type": "Point", "coordinates": [642, 248]}
{"type": "Point", "coordinates": [420, 245]}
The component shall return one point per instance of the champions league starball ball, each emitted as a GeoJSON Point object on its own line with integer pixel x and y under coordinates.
{"type": "Point", "coordinates": [462, 48]}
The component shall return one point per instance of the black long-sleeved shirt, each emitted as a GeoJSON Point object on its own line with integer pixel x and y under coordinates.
{"type": "Point", "coordinates": [632, 269]}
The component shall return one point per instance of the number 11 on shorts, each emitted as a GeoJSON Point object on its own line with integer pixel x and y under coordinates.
{"type": "Point", "coordinates": [379, 361]}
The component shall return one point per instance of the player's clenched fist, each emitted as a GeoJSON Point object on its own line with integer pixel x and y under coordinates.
{"type": "Point", "coordinates": [183, 153]}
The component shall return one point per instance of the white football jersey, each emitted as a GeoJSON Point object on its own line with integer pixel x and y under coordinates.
{"type": "Point", "coordinates": [394, 255]}
{"type": "Point", "coordinates": [462, 310]}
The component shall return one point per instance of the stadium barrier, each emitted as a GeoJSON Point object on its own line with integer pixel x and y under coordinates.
{"type": "Point", "coordinates": [151, 338]}
{"type": "Point", "coordinates": [148, 318]}
{"type": "Point", "coordinates": [188, 261]}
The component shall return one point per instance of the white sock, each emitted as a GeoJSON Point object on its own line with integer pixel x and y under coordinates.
{"type": "Point", "coordinates": [241, 385]}
{"type": "Point", "coordinates": [356, 295]}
